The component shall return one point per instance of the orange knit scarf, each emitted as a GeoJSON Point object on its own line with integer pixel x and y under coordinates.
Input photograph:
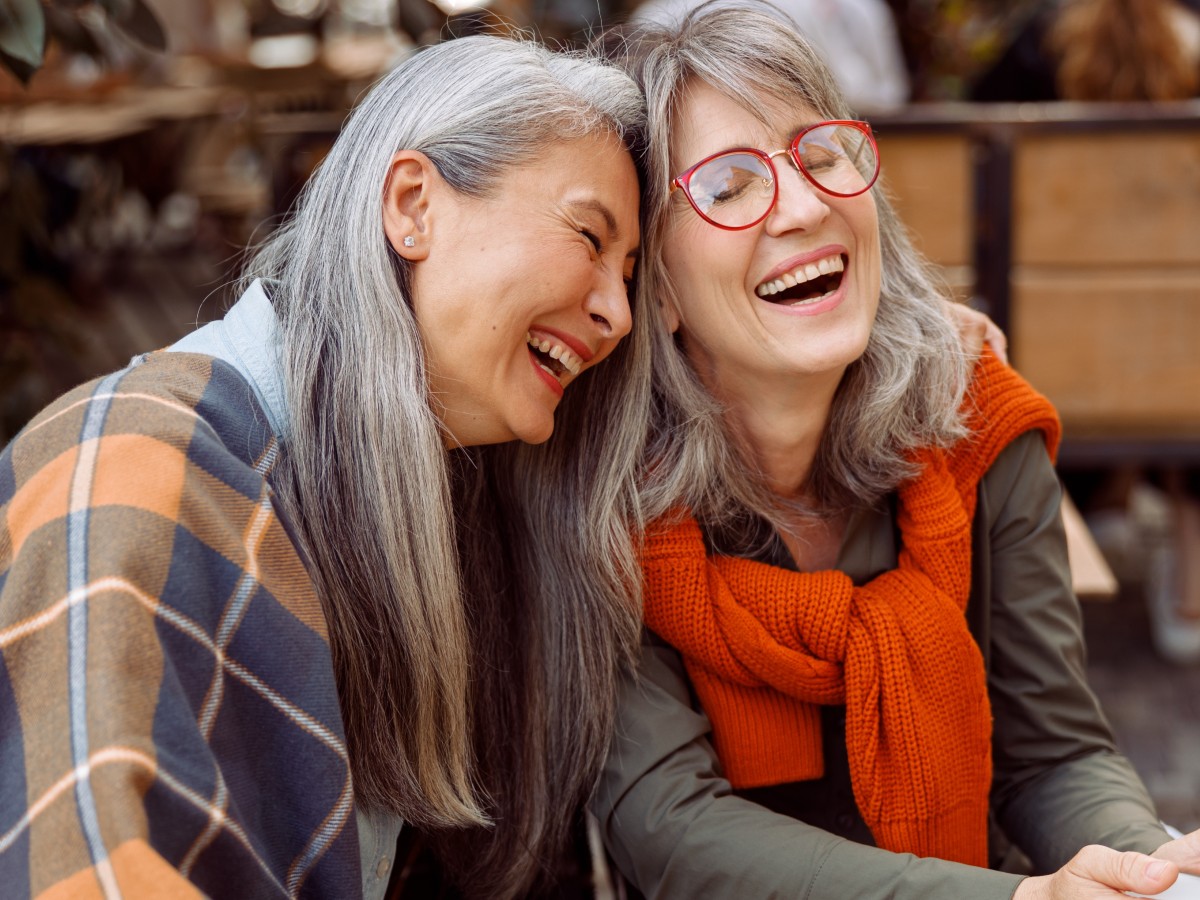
{"type": "Point", "coordinates": [764, 646]}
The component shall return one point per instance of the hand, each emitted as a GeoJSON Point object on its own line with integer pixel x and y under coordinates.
{"type": "Point", "coordinates": [1183, 851]}
{"type": "Point", "coordinates": [1098, 873]}
{"type": "Point", "coordinates": [975, 329]}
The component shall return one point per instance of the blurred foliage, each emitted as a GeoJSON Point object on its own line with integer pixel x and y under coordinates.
{"type": "Point", "coordinates": [948, 43]}
{"type": "Point", "coordinates": [76, 219]}
{"type": "Point", "coordinates": [26, 26]}
{"type": "Point", "coordinates": [39, 320]}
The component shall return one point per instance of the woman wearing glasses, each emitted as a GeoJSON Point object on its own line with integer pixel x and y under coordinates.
{"type": "Point", "coordinates": [865, 672]}
{"type": "Point", "coordinates": [270, 596]}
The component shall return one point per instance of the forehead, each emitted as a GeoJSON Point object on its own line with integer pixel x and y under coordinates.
{"type": "Point", "coordinates": [566, 161]}
{"type": "Point", "coordinates": [707, 121]}
{"type": "Point", "coordinates": [594, 169]}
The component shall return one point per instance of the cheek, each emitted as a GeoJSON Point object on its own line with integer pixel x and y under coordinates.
{"type": "Point", "coordinates": [700, 275]}
{"type": "Point", "coordinates": [675, 260]}
{"type": "Point", "coordinates": [865, 221]}
{"type": "Point", "coordinates": [561, 275]}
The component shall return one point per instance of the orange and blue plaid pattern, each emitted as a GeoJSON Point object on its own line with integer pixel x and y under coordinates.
{"type": "Point", "coordinates": [169, 723]}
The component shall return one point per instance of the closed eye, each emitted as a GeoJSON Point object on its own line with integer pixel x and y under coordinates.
{"type": "Point", "coordinates": [595, 241]}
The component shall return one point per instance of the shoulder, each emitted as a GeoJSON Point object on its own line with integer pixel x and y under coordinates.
{"type": "Point", "coordinates": [157, 475]}
{"type": "Point", "coordinates": [147, 418]}
{"type": "Point", "coordinates": [1022, 477]}
{"type": "Point", "coordinates": [169, 453]}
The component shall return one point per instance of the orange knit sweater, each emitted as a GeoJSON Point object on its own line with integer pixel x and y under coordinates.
{"type": "Point", "coordinates": [764, 646]}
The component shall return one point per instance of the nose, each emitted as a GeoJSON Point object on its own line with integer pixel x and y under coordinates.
{"type": "Point", "coordinates": [608, 305]}
{"type": "Point", "coordinates": [799, 204]}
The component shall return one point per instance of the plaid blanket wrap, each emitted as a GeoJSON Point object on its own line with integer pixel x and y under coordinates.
{"type": "Point", "coordinates": [169, 722]}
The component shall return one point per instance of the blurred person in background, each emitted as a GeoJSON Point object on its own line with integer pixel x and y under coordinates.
{"type": "Point", "coordinates": [274, 593]}
{"type": "Point", "coordinates": [1121, 50]}
{"type": "Point", "coordinates": [863, 674]}
{"type": "Point", "coordinates": [857, 39]}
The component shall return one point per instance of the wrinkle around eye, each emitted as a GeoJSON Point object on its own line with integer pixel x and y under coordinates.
{"type": "Point", "coordinates": [593, 239]}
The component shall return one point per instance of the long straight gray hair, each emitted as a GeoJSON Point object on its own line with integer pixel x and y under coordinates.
{"type": "Point", "coordinates": [904, 391]}
{"type": "Point", "coordinates": [479, 601]}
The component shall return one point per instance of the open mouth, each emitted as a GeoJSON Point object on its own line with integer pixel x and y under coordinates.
{"type": "Point", "coordinates": [553, 357]}
{"type": "Point", "coordinates": [809, 283]}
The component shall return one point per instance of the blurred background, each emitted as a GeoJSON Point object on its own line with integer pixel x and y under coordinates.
{"type": "Point", "coordinates": [1045, 154]}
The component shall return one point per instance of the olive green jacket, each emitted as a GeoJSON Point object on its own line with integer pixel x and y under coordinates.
{"type": "Point", "coordinates": [676, 828]}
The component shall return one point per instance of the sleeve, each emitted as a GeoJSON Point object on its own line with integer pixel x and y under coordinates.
{"type": "Point", "coordinates": [676, 830]}
{"type": "Point", "coordinates": [168, 727]}
{"type": "Point", "coordinates": [1059, 782]}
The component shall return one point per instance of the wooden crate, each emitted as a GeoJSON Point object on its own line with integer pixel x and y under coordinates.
{"type": "Point", "coordinates": [1106, 278]}
{"type": "Point", "coordinates": [1107, 198]}
{"type": "Point", "coordinates": [928, 177]}
{"type": "Point", "coordinates": [1116, 348]}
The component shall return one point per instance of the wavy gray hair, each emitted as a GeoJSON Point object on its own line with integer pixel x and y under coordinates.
{"type": "Point", "coordinates": [903, 393]}
{"type": "Point", "coordinates": [479, 601]}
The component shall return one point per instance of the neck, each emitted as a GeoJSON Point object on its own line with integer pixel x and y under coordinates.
{"type": "Point", "coordinates": [782, 421]}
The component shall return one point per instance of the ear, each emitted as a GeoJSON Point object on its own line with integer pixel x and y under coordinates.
{"type": "Point", "coordinates": [407, 194]}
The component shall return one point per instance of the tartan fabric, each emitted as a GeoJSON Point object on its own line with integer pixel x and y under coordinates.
{"type": "Point", "coordinates": [169, 722]}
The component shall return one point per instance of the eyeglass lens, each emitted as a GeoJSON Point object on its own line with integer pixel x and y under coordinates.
{"type": "Point", "coordinates": [736, 188]}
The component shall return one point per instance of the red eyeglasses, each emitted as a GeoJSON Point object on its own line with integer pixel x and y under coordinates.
{"type": "Point", "coordinates": [737, 189]}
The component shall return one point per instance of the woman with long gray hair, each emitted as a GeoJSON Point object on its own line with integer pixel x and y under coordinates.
{"type": "Point", "coordinates": [305, 578]}
{"type": "Point", "coordinates": [863, 675]}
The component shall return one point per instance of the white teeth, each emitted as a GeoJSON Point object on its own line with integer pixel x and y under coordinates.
{"type": "Point", "coordinates": [811, 300]}
{"type": "Point", "coordinates": [800, 275]}
{"type": "Point", "coordinates": [569, 360]}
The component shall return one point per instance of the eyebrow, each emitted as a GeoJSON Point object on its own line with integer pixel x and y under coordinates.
{"type": "Point", "coordinates": [610, 220]}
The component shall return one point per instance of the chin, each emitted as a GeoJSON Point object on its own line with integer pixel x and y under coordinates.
{"type": "Point", "coordinates": [535, 433]}
{"type": "Point", "coordinates": [846, 349]}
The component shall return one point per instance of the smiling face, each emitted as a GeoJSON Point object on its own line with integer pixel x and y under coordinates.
{"type": "Point", "coordinates": [519, 292]}
{"type": "Point", "coordinates": [791, 297]}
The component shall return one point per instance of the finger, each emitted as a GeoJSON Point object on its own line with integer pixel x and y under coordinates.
{"type": "Point", "coordinates": [1124, 871]}
{"type": "Point", "coordinates": [996, 339]}
{"type": "Point", "coordinates": [973, 334]}
{"type": "Point", "coordinates": [1184, 852]}
{"type": "Point", "coordinates": [975, 329]}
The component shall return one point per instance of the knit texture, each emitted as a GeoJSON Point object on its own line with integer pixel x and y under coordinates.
{"type": "Point", "coordinates": [764, 646]}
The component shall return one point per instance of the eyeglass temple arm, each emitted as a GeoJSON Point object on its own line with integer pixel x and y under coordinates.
{"type": "Point", "coordinates": [866, 137]}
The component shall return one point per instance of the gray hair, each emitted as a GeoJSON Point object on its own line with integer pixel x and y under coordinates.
{"type": "Point", "coordinates": [903, 393]}
{"type": "Point", "coordinates": [462, 588]}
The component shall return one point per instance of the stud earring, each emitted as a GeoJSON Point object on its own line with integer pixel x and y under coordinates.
{"type": "Point", "coordinates": [410, 241]}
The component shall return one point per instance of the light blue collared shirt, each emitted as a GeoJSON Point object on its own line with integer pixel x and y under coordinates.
{"type": "Point", "coordinates": [248, 339]}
